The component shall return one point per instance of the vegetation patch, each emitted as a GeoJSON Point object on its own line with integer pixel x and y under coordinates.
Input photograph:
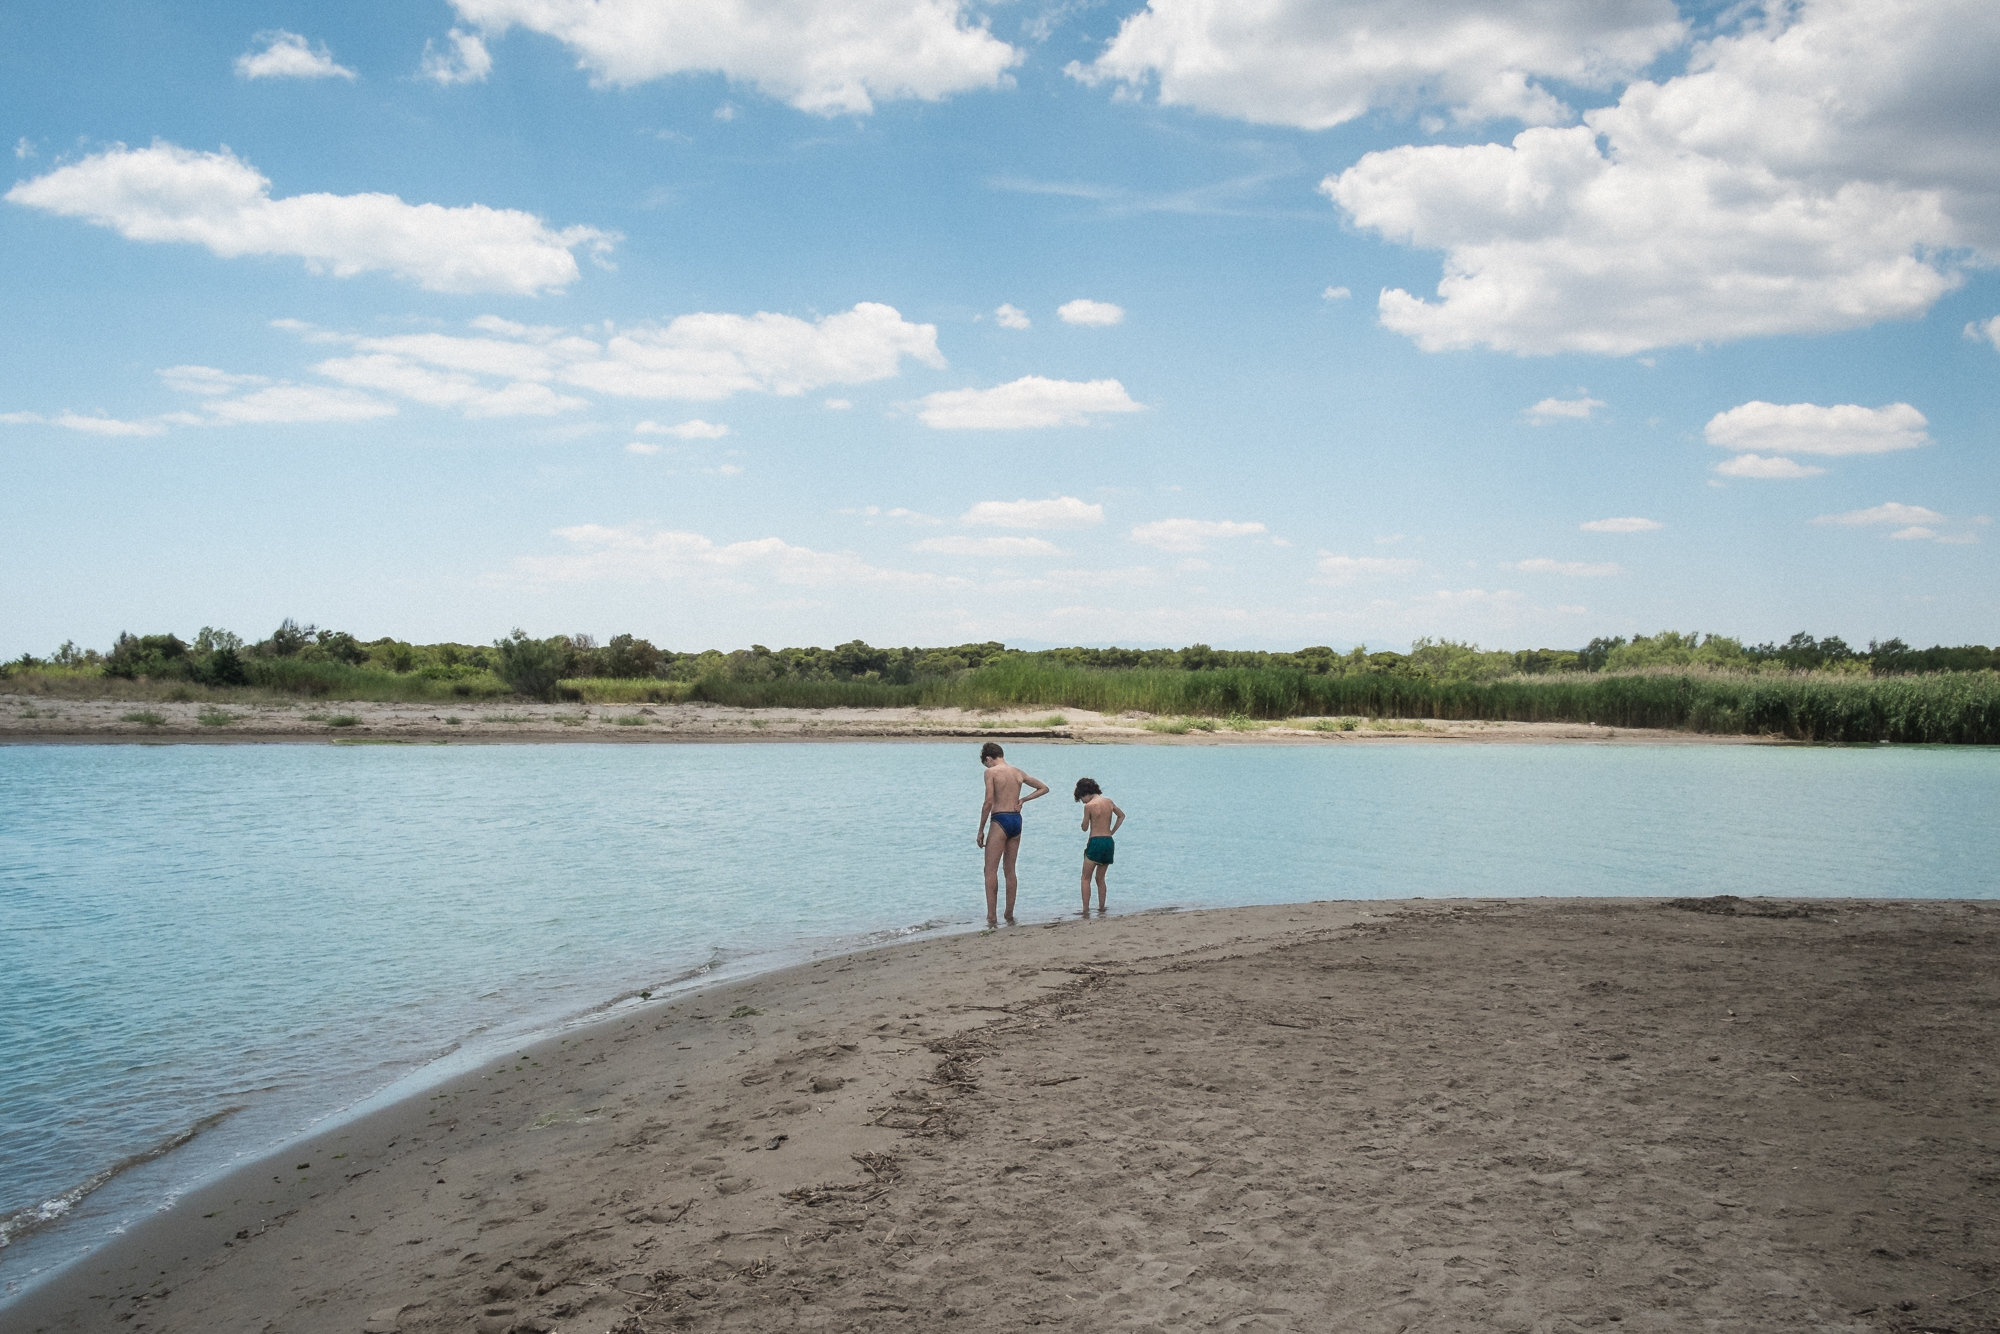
{"type": "Point", "coordinates": [214, 718]}
{"type": "Point", "coordinates": [343, 720]}
{"type": "Point", "coordinates": [148, 717]}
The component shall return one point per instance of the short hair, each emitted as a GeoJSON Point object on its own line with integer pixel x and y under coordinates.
{"type": "Point", "coordinates": [991, 751]}
{"type": "Point", "coordinates": [1087, 787]}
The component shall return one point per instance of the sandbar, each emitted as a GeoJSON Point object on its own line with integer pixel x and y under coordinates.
{"type": "Point", "coordinates": [41, 720]}
{"type": "Point", "coordinates": [1534, 1115]}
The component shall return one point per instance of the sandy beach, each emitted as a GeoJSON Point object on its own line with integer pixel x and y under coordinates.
{"type": "Point", "coordinates": [1448, 1115]}
{"type": "Point", "coordinates": [42, 720]}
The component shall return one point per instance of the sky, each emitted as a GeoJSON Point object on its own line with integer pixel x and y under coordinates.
{"type": "Point", "coordinates": [1258, 323]}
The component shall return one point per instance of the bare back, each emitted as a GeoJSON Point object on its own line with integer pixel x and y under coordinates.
{"type": "Point", "coordinates": [1098, 815]}
{"type": "Point", "coordinates": [1003, 787]}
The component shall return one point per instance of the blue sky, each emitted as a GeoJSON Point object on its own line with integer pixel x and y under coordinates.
{"type": "Point", "coordinates": [1260, 324]}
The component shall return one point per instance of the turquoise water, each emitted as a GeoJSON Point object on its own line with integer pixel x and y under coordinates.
{"type": "Point", "coordinates": [248, 938]}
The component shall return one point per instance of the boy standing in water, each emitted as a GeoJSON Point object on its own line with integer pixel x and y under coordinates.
{"type": "Point", "coordinates": [1101, 819]}
{"type": "Point", "coordinates": [1000, 823]}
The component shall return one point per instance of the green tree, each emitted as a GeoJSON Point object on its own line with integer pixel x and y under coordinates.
{"type": "Point", "coordinates": [532, 666]}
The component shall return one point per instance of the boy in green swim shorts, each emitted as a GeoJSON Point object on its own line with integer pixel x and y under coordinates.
{"type": "Point", "coordinates": [1101, 819]}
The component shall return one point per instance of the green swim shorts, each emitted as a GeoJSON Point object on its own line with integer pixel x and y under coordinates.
{"type": "Point", "coordinates": [1098, 850]}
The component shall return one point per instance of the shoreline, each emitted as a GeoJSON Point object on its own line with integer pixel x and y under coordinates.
{"type": "Point", "coordinates": [1546, 1111]}
{"type": "Point", "coordinates": [37, 720]}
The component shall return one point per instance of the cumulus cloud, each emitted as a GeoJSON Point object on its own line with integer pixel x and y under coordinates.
{"type": "Point", "coordinates": [206, 380]}
{"type": "Point", "coordinates": [1822, 167]}
{"type": "Point", "coordinates": [831, 57]}
{"type": "Point", "coordinates": [1632, 524]}
{"type": "Point", "coordinates": [712, 356]}
{"type": "Point", "coordinates": [1563, 409]}
{"type": "Point", "coordinates": [1775, 468]}
{"type": "Point", "coordinates": [76, 421]}
{"type": "Point", "coordinates": [696, 429]}
{"type": "Point", "coordinates": [1336, 294]}
{"type": "Point", "coordinates": [286, 55]}
{"type": "Point", "coordinates": [463, 59]}
{"type": "Point", "coordinates": [1353, 569]}
{"type": "Point", "coordinates": [633, 555]}
{"type": "Point", "coordinates": [1889, 512]}
{"type": "Point", "coordinates": [1009, 316]}
{"type": "Point", "coordinates": [1576, 568]}
{"type": "Point", "coordinates": [961, 545]}
{"type": "Point", "coordinates": [1061, 512]}
{"type": "Point", "coordinates": [1091, 314]}
{"type": "Point", "coordinates": [1807, 428]}
{"type": "Point", "coordinates": [448, 389]}
{"type": "Point", "coordinates": [1984, 331]}
{"type": "Point", "coordinates": [1314, 65]}
{"type": "Point", "coordinates": [167, 193]}
{"type": "Point", "coordinates": [1190, 534]}
{"type": "Point", "coordinates": [1029, 402]}
{"type": "Point", "coordinates": [295, 404]}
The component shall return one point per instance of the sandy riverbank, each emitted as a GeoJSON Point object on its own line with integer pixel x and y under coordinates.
{"type": "Point", "coordinates": [39, 719]}
{"type": "Point", "coordinates": [1506, 1115]}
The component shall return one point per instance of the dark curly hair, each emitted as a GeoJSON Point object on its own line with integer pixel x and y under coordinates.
{"type": "Point", "coordinates": [991, 751]}
{"type": "Point", "coordinates": [1087, 787]}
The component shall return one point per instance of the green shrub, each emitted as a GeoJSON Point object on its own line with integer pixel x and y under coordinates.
{"type": "Point", "coordinates": [148, 717]}
{"type": "Point", "coordinates": [533, 667]}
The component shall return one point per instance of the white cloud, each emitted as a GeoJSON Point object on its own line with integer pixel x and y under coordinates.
{"type": "Point", "coordinates": [1807, 428]}
{"type": "Point", "coordinates": [1563, 409]}
{"type": "Point", "coordinates": [285, 55]}
{"type": "Point", "coordinates": [696, 429]}
{"type": "Point", "coordinates": [1011, 317]}
{"type": "Point", "coordinates": [75, 421]}
{"type": "Point", "coordinates": [642, 447]}
{"type": "Point", "coordinates": [825, 56]}
{"type": "Point", "coordinates": [1985, 332]}
{"type": "Point", "coordinates": [167, 193]}
{"type": "Point", "coordinates": [1891, 512]}
{"type": "Point", "coordinates": [1313, 65]}
{"type": "Point", "coordinates": [465, 60]}
{"type": "Point", "coordinates": [1577, 568]}
{"type": "Point", "coordinates": [1352, 569]}
{"type": "Point", "coordinates": [961, 545]}
{"type": "Point", "coordinates": [296, 403]}
{"type": "Point", "coordinates": [1822, 168]}
{"type": "Point", "coordinates": [1633, 524]}
{"type": "Point", "coordinates": [24, 148]}
{"type": "Point", "coordinates": [206, 380]}
{"type": "Point", "coordinates": [839, 404]}
{"type": "Point", "coordinates": [1061, 512]}
{"type": "Point", "coordinates": [1336, 294]}
{"type": "Point", "coordinates": [1026, 403]}
{"type": "Point", "coordinates": [448, 389]}
{"type": "Point", "coordinates": [1914, 533]}
{"type": "Point", "coordinates": [1190, 534]}
{"type": "Point", "coordinates": [633, 555]}
{"type": "Point", "coordinates": [1091, 314]}
{"type": "Point", "coordinates": [711, 356]}
{"type": "Point", "coordinates": [1756, 466]}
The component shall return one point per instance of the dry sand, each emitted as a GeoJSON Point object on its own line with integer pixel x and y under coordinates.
{"type": "Point", "coordinates": [29, 718]}
{"type": "Point", "coordinates": [1493, 1115]}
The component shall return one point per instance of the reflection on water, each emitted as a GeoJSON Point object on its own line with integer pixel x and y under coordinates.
{"type": "Point", "coordinates": [185, 930]}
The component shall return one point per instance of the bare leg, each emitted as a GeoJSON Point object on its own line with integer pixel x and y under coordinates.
{"type": "Point", "coordinates": [996, 845]}
{"type": "Point", "coordinates": [1101, 869]}
{"type": "Point", "coordinates": [1087, 864]}
{"type": "Point", "coordinates": [1013, 881]}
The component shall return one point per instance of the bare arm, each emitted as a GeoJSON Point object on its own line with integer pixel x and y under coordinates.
{"type": "Point", "coordinates": [985, 809]}
{"type": "Point", "coordinates": [1041, 788]}
{"type": "Point", "coordinates": [1117, 818]}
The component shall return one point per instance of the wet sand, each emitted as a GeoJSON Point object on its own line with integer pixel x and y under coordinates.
{"type": "Point", "coordinates": [1450, 1115]}
{"type": "Point", "coordinates": [42, 720]}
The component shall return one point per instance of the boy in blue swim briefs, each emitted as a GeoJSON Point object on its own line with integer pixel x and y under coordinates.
{"type": "Point", "coordinates": [1000, 823]}
{"type": "Point", "coordinates": [1101, 819]}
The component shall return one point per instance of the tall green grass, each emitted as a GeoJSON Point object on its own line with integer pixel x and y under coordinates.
{"type": "Point", "coordinates": [269, 677]}
{"type": "Point", "coordinates": [1961, 708]}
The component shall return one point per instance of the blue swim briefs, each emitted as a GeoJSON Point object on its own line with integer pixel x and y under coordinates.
{"type": "Point", "coordinates": [1009, 822]}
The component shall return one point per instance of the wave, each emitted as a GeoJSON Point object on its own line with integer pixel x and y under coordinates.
{"type": "Point", "coordinates": [27, 1222]}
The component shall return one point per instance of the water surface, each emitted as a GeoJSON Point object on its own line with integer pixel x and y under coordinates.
{"type": "Point", "coordinates": [253, 937]}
